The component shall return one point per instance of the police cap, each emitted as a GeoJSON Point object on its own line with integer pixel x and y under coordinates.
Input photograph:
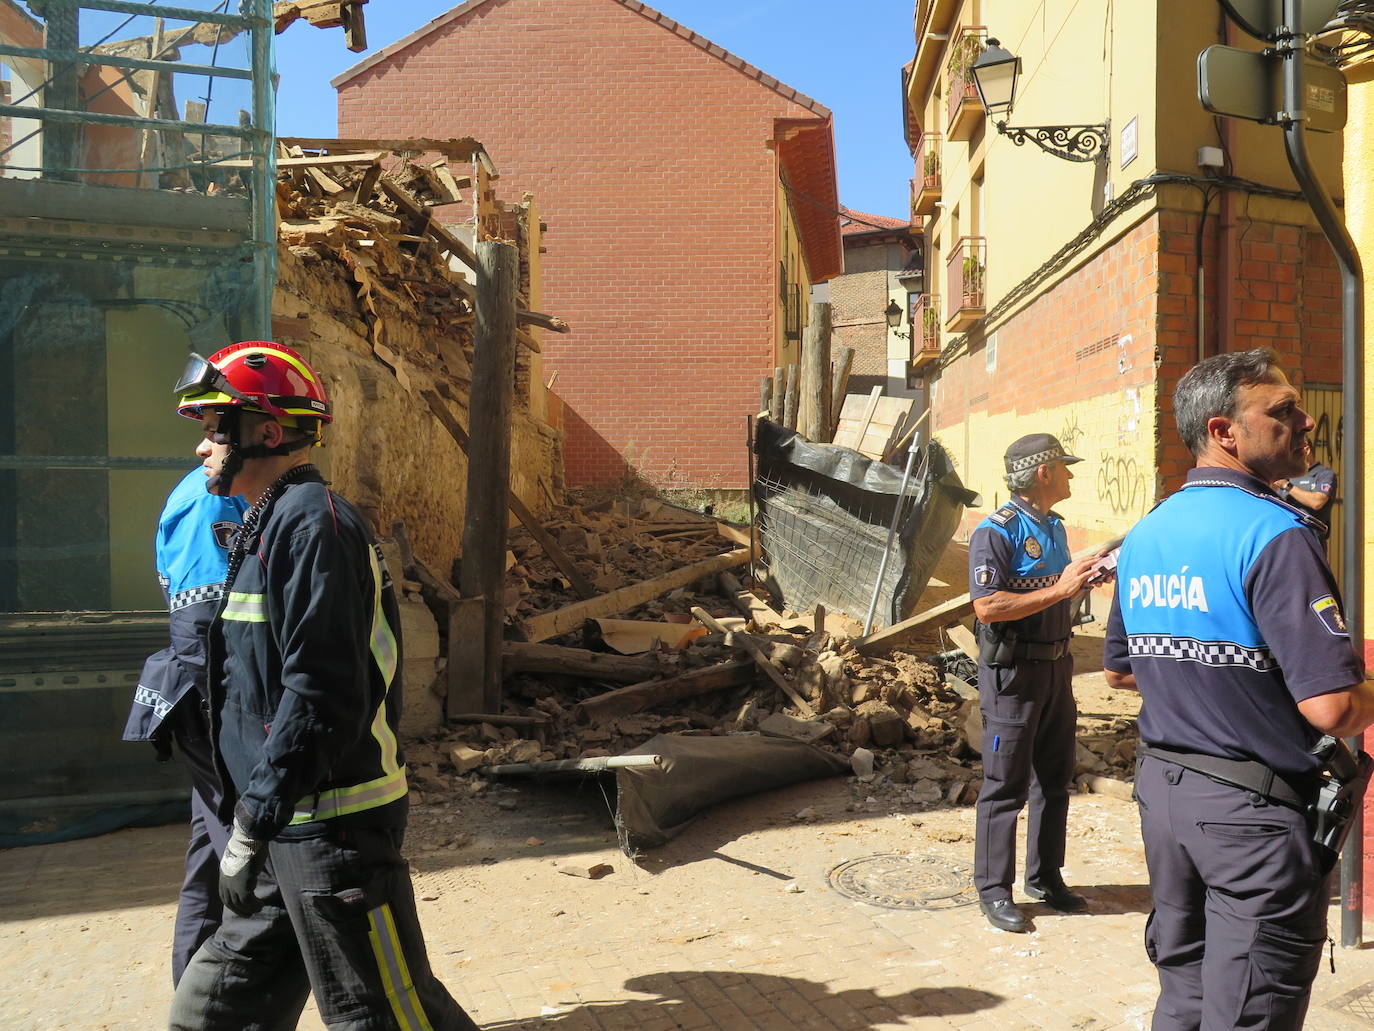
{"type": "Point", "coordinates": [1036, 449]}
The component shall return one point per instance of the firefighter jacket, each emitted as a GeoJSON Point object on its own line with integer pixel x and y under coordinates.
{"type": "Point", "coordinates": [308, 698]}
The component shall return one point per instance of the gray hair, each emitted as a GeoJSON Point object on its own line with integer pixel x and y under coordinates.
{"type": "Point", "coordinates": [1021, 479]}
{"type": "Point", "coordinates": [1209, 389]}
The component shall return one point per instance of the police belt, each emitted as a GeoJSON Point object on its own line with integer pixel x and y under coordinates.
{"type": "Point", "coordinates": [1248, 776]}
{"type": "Point", "coordinates": [1041, 651]}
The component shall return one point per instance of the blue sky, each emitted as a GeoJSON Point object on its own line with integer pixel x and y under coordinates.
{"type": "Point", "coordinates": [847, 55]}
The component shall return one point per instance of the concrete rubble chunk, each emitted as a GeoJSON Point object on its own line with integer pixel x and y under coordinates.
{"type": "Point", "coordinates": [861, 762]}
{"type": "Point", "coordinates": [465, 759]}
{"type": "Point", "coordinates": [581, 868]}
{"type": "Point", "coordinates": [782, 725]}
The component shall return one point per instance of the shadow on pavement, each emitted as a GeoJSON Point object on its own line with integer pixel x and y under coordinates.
{"type": "Point", "coordinates": [1103, 898]}
{"type": "Point", "coordinates": [735, 1000]}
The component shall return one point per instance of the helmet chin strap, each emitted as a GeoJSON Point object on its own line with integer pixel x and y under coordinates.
{"type": "Point", "coordinates": [230, 423]}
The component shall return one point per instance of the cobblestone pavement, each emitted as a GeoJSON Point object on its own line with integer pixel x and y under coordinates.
{"type": "Point", "coordinates": [732, 925]}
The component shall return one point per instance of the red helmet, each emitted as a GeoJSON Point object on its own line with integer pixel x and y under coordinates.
{"type": "Point", "coordinates": [256, 375]}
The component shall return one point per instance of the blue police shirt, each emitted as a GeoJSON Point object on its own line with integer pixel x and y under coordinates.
{"type": "Point", "coordinates": [193, 535]}
{"type": "Point", "coordinates": [1016, 549]}
{"type": "Point", "coordinates": [1228, 616]}
{"type": "Point", "coordinates": [192, 550]}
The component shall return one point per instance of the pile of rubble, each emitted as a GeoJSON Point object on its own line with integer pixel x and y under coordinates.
{"type": "Point", "coordinates": [712, 658]}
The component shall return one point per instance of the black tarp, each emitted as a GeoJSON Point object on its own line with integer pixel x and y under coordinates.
{"type": "Point", "coordinates": [824, 514]}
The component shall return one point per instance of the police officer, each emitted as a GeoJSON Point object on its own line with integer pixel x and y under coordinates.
{"type": "Point", "coordinates": [305, 700]}
{"type": "Point", "coordinates": [1228, 622]}
{"type": "Point", "coordinates": [1023, 582]}
{"type": "Point", "coordinates": [192, 552]}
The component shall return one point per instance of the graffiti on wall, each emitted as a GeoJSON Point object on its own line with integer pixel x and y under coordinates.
{"type": "Point", "coordinates": [1121, 484]}
{"type": "Point", "coordinates": [1070, 434]}
{"type": "Point", "coordinates": [1326, 446]}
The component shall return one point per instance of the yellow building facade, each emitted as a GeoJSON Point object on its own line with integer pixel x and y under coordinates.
{"type": "Point", "coordinates": [1069, 296]}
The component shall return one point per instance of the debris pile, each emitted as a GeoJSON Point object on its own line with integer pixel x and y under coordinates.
{"type": "Point", "coordinates": [710, 657]}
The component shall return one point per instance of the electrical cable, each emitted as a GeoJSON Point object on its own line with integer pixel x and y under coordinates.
{"type": "Point", "coordinates": [836, 211]}
{"type": "Point", "coordinates": [1132, 195]}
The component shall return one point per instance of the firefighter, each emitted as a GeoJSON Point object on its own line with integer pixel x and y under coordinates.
{"type": "Point", "coordinates": [305, 704]}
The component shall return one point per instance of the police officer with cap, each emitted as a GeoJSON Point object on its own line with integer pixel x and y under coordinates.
{"type": "Point", "coordinates": [1023, 583]}
{"type": "Point", "coordinates": [1228, 621]}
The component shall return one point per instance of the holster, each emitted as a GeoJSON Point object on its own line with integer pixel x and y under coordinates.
{"type": "Point", "coordinates": [996, 643]}
{"type": "Point", "coordinates": [1347, 777]}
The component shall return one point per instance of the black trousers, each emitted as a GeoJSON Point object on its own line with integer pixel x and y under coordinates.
{"type": "Point", "coordinates": [1029, 724]}
{"type": "Point", "coordinates": [338, 919]}
{"type": "Point", "coordinates": [198, 906]}
{"type": "Point", "coordinates": [1240, 897]}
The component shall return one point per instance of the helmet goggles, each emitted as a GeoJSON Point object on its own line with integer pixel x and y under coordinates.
{"type": "Point", "coordinates": [200, 377]}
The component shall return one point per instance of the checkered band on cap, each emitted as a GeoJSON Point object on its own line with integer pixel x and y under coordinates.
{"type": "Point", "coordinates": [1016, 465]}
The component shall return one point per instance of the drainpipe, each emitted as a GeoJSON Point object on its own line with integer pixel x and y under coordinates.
{"type": "Point", "coordinates": [1291, 48]}
{"type": "Point", "coordinates": [1228, 252]}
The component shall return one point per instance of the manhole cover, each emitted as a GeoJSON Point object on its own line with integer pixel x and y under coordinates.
{"type": "Point", "coordinates": [1356, 1003]}
{"type": "Point", "coordinates": [896, 880]}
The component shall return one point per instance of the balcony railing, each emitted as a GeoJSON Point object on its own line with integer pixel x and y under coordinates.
{"type": "Point", "coordinates": [966, 276]}
{"type": "Point", "coordinates": [965, 110]}
{"type": "Point", "coordinates": [926, 186]}
{"type": "Point", "coordinates": [925, 330]}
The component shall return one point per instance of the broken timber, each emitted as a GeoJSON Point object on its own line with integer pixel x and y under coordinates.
{"type": "Point", "coordinates": [748, 603]}
{"type": "Point", "coordinates": [625, 700]}
{"type": "Point", "coordinates": [570, 617]}
{"type": "Point", "coordinates": [941, 615]}
{"type": "Point", "coordinates": [760, 660]}
{"type": "Point", "coordinates": [523, 657]}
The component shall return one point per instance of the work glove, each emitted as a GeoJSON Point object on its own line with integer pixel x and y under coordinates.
{"type": "Point", "coordinates": [243, 860]}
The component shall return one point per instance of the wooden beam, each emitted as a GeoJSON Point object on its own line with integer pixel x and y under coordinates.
{"type": "Point", "coordinates": [570, 617]}
{"type": "Point", "coordinates": [313, 161]}
{"type": "Point", "coordinates": [760, 660]}
{"type": "Point", "coordinates": [538, 318]}
{"type": "Point", "coordinates": [775, 402]}
{"type": "Point", "coordinates": [941, 615]}
{"type": "Point", "coordinates": [748, 604]}
{"type": "Point", "coordinates": [789, 401]}
{"type": "Point", "coordinates": [363, 193]}
{"type": "Point", "coordinates": [813, 406]}
{"type": "Point", "coordinates": [636, 697]}
{"type": "Point", "coordinates": [456, 149]}
{"type": "Point", "coordinates": [963, 639]}
{"type": "Point", "coordinates": [523, 657]}
{"type": "Point", "coordinates": [838, 387]}
{"type": "Point", "coordinates": [499, 719]}
{"type": "Point", "coordinates": [425, 217]}
{"type": "Point", "coordinates": [482, 573]}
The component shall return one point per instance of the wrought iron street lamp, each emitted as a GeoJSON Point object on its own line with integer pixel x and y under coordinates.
{"type": "Point", "coordinates": [894, 315]}
{"type": "Point", "coordinates": [995, 74]}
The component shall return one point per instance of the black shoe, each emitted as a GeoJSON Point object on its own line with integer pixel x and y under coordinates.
{"type": "Point", "coordinates": [1057, 895]}
{"type": "Point", "coordinates": [1003, 915]}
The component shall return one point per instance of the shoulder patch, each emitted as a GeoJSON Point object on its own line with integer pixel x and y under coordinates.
{"type": "Point", "coordinates": [224, 533]}
{"type": "Point", "coordinates": [1328, 613]}
{"type": "Point", "coordinates": [1004, 515]}
{"type": "Point", "coordinates": [982, 576]}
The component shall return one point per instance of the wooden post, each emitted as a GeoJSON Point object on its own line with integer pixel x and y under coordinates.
{"type": "Point", "coordinates": [775, 403]}
{"type": "Point", "coordinates": [482, 574]}
{"type": "Point", "coordinates": [838, 387]}
{"type": "Point", "coordinates": [813, 414]}
{"type": "Point", "coordinates": [789, 408]}
{"type": "Point", "coordinates": [765, 393]}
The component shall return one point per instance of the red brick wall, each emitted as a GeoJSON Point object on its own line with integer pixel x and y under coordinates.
{"type": "Point", "coordinates": [1285, 297]}
{"type": "Point", "coordinates": [648, 158]}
